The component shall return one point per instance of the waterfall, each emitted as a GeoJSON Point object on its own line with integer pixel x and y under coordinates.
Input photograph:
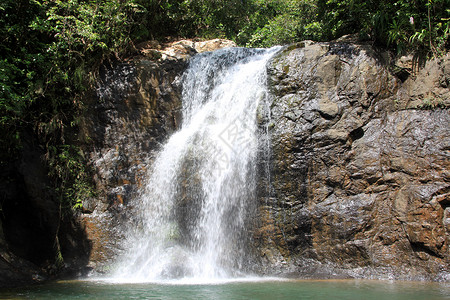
{"type": "Point", "coordinates": [194, 212]}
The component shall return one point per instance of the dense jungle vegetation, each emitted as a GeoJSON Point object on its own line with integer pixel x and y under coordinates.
{"type": "Point", "coordinates": [50, 51]}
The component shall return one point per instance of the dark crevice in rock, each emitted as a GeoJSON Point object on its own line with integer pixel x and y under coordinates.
{"type": "Point", "coordinates": [421, 247]}
{"type": "Point", "coordinates": [401, 73]}
{"type": "Point", "coordinates": [326, 116]}
{"type": "Point", "coordinates": [33, 234]}
{"type": "Point", "coordinates": [443, 196]}
{"type": "Point", "coordinates": [356, 134]}
{"type": "Point", "coordinates": [344, 49]}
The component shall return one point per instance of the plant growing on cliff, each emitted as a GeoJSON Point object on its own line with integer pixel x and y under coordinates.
{"type": "Point", "coordinates": [72, 176]}
{"type": "Point", "coordinates": [431, 102]}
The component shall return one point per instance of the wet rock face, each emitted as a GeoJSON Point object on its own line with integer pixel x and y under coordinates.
{"type": "Point", "coordinates": [135, 108]}
{"type": "Point", "coordinates": [360, 188]}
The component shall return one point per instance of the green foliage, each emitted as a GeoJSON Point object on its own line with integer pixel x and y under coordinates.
{"type": "Point", "coordinates": [219, 18]}
{"type": "Point", "coordinates": [19, 69]}
{"type": "Point", "coordinates": [288, 23]}
{"type": "Point", "coordinates": [49, 55]}
{"type": "Point", "coordinates": [430, 103]}
{"type": "Point", "coordinates": [421, 26]}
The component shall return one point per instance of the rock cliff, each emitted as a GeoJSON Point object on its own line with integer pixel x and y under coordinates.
{"type": "Point", "coordinates": [359, 182]}
{"type": "Point", "coordinates": [359, 169]}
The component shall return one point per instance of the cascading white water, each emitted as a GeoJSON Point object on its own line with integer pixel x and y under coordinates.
{"type": "Point", "coordinates": [199, 196]}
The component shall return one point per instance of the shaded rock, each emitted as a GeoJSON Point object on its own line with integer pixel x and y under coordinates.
{"type": "Point", "coordinates": [15, 270]}
{"type": "Point", "coordinates": [152, 44]}
{"type": "Point", "coordinates": [36, 242]}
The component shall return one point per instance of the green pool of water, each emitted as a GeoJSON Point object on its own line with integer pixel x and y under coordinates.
{"type": "Point", "coordinates": [292, 289]}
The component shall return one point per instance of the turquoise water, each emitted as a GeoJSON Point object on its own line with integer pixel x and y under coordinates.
{"type": "Point", "coordinates": [304, 289]}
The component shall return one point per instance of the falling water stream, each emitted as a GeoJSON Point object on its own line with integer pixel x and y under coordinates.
{"type": "Point", "coordinates": [198, 202]}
